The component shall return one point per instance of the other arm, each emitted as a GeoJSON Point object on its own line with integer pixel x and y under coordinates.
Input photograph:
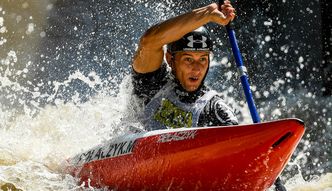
{"type": "Point", "coordinates": [217, 113]}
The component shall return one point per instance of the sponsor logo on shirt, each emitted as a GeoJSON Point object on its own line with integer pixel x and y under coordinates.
{"type": "Point", "coordinates": [172, 116]}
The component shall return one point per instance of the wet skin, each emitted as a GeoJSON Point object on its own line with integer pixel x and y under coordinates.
{"type": "Point", "coordinates": [190, 68]}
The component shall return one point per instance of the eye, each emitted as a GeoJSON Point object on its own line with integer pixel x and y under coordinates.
{"type": "Point", "coordinates": [189, 59]}
{"type": "Point", "coordinates": [203, 59]}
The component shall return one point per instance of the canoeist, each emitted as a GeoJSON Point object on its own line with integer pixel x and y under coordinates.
{"type": "Point", "coordinates": [173, 91]}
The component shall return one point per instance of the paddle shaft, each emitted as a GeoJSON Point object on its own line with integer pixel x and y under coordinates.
{"type": "Point", "coordinates": [246, 86]}
{"type": "Point", "coordinates": [243, 74]}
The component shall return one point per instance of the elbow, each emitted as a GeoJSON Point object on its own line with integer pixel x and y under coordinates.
{"type": "Point", "coordinates": [151, 39]}
{"type": "Point", "coordinates": [146, 41]}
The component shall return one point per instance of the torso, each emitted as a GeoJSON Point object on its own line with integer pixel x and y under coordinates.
{"type": "Point", "coordinates": [166, 110]}
{"type": "Point", "coordinates": [167, 105]}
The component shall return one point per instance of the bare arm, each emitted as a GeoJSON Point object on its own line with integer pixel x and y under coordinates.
{"type": "Point", "coordinates": [149, 56]}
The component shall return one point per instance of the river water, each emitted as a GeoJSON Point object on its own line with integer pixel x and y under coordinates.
{"type": "Point", "coordinates": [65, 87]}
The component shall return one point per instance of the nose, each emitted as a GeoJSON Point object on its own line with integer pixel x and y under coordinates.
{"type": "Point", "coordinates": [196, 66]}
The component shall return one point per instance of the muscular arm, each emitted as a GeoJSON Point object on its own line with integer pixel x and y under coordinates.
{"type": "Point", "coordinates": [149, 56]}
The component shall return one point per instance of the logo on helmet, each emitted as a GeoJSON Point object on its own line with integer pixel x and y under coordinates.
{"type": "Point", "coordinates": [196, 40]}
{"type": "Point", "coordinates": [201, 41]}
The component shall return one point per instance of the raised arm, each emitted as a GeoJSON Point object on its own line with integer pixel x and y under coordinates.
{"type": "Point", "coordinates": [149, 55]}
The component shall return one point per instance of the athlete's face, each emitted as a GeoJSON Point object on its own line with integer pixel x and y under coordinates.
{"type": "Point", "coordinates": [190, 67]}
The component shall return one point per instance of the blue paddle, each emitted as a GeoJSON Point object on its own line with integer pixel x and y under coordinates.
{"type": "Point", "coordinates": [243, 74]}
{"type": "Point", "coordinates": [246, 87]}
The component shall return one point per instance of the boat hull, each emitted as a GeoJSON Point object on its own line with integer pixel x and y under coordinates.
{"type": "Point", "coordinates": [243, 157]}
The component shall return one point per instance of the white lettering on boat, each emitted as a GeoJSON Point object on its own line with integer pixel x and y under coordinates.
{"type": "Point", "coordinates": [108, 151]}
{"type": "Point", "coordinates": [177, 136]}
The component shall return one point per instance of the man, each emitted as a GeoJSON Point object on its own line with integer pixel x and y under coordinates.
{"type": "Point", "coordinates": [179, 98]}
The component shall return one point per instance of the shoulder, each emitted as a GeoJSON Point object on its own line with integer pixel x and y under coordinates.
{"type": "Point", "coordinates": [151, 77]}
{"type": "Point", "coordinates": [218, 113]}
{"type": "Point", "coordinates": [148, 84]}
{"type": "Point", "coordinates": [219, 103]}
{"type": "Point", "coordinates": [223, 111]}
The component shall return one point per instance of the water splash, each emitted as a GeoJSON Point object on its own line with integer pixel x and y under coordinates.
{"type": "Point", "coordinates": [40, 144]}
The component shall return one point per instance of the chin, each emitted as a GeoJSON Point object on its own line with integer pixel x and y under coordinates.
{"type": "Point", "coordinates": [191, 89]}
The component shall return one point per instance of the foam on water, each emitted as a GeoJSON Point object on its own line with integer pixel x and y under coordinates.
{"type": "Point", "coordinates": [33, 148]}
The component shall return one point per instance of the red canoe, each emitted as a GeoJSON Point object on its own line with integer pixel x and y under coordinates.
{"type": "Point", "coordinates": [244, 157]}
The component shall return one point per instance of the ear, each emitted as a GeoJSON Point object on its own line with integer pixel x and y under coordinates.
{"type": "Point", "coordinates": [169, 58]}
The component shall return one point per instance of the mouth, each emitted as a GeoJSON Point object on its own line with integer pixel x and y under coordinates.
{"type": "Point", "coordinates": [193, 79]}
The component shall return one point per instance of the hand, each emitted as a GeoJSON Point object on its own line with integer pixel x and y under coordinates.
{"type": "Point", "coordinates": [224, 13]}
{"type": "Point", "coordinates": [227, 9]}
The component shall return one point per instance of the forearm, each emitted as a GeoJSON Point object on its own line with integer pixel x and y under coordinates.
{"type": "Point", "coordinates": [174, 28]}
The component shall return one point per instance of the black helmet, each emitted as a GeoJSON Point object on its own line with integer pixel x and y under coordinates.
{"type": "Point", "coordinates": [197, 40]}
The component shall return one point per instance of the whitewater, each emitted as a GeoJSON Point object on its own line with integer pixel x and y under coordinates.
{"type": "Point", "coordinates": [61, 97]}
